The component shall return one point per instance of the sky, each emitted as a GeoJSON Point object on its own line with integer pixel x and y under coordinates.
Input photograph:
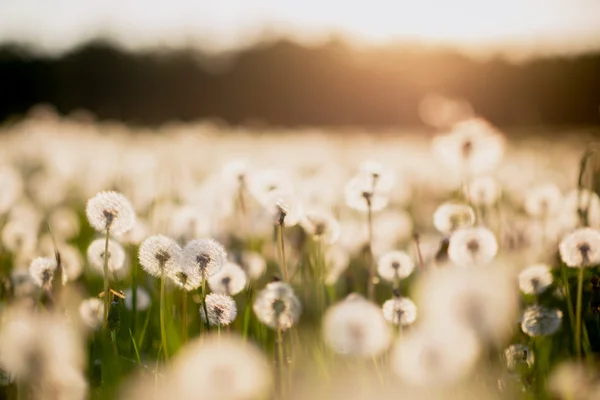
{"type": "Point", "coordinates": [516, 27]}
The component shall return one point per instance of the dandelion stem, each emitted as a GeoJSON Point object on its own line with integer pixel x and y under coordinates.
{"type": "Point", "coordinates": [163, 330]}
{"type": "Point", "coordinates": [247, 313]}
{"type": "Point", "coordinates": [418, 248]}
{"type": "Point", "coordinates": [106, 285]}
{"type": "Point", "coordinates": [371, 283]}
{"type": "Point", "coordinates": [134, 290]}
{"type": "Point", "coordinates": [280, 364]}
{"type": "Point", "coordinates": [206, 323]}
{"type": "Point", "coordinates": [578, 315]}
{"type": "Point", "coordinates": [281, 246]}
{"type": "Point", "coordinates": [184, 317]}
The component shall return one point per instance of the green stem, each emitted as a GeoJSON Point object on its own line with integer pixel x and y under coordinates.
{"type": "Point", "coordinates": [163, 330]}
{"type": "Point", "coordinates": [206, 322]}
{"type": "Point", "coordinates": [578, 315]}
{"type": "Point", "coordinates": [281, 246]}
{"type": "Point", "coordinates": [371, 283]}
{"type": "Point", "coordinates": [134, 290]}
{"type": "Point", "coordinates": [184, 317]}
{"type": "Point", "coordinates": [280, 363]}
{"type": "Point", "coordinates": [106, 277]}
{"type": "Point", "coordinates": [568, 296]}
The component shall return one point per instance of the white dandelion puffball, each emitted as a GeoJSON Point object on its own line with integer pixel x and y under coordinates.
{"type": "Point", "coordinates": [20, 237]}
{"type": "Point", "coordinates": [518, 355]}
{"type": "Point", "coordinates": [356, 327]}
{"type": "Point", "coordinates": [221, 308]}
{"type": "Point", "coordinates": [223, 367]}
{"type": "Point", "coordinates": [400, 311]}
{"type": "Point", "coordinates": [543, 201]}
{"type": "Point", "coordinates": [581, 248]}
{"type": "Point", "coordinates": [64, 223]}
{"type": "Point", "coordinates": [143, 299]}
{"type": "Point", "coordinates": [42, 271]}
{"type": "Point", "coordinates": [425, 357]}
{"type": "Point", "coordinates": [395, 265]}
{"type": "Point", "coordinates": [451, 216]}
{"type": "Point", "coordinates": [321, 225]}
{"type": "Point", "coordinates": [185, 277]}
{"type": "Point", "coordinates": [159, 255]}
{"type": "Point", "coordinates": [472, 246]}
{"type": "Point", "coordinates": [541, 321]}
{"type": "Point", "coordinates": [71, 262]}
{"type": "Point", "coordinates": [277, 306]}
{"type": "Point", "coordinates": [116, 255]}
{"type": "Point", "coordinates": [380, 177]}
{"type": "Point", "coordinates": [362, 193]}
{"type": "Point", "coordinates": [188, 222]}
{"type": "Point", "coordinates": [578, 201]}
{"type": "Point", "coordinates": [337, 262]}
{"type": "Point", "coordinates": [483, 300]}
{"type": "Point", "coordinates": [110, 210]}
{"type": "Point", "coordinates": [263, 184]}
{"type": "Point", "coordinates": [231, 280]}
{"type": "Point", "coordinates": [91, 312]}
{"type": "Point", "coordinates": [12, 187]}
{"type": "Point", "coordinates": [137, 234]}
{"type": "Point", "coordinates": [254, 264]}
{"type": "Point", "coordinates": [483, 191]}
{"type": "Point", "coordinates": [207, 256]}
{"type": "Point", "coordinates": [573, 380]}
{"type": "Point", "coordinates": [535, 279]}
{"type": "Point", "coordinates": [283, 207]}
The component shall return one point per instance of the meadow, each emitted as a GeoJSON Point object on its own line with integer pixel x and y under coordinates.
{"type": "Point", "coordinates": [202, 261]}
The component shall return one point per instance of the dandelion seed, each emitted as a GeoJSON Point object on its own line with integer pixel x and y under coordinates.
{"type": "Point", "coordinates": [92, 312]}
{"type": "Point", "coordinates": [42, 271]}
{"type": "Point", "coordinates": [277, 306]}
{"type": "Point", "coordinates": [483, 191]}
{"type": "Point", "coordinates": [451, 216]}
{"type": "Point", "coordinates": [321, 225]}
{"type": "Point", "coordinates": [143, 300]}
{"type": "Point", "coordinates": [518, 355]}
{"type": "Point", "coordinates": [543, 201]}
{"type": "Point", "coordinates": [400, 311]}
{"type": "Point", "coordinates": [207, 256]}
{"type": "Point", "coordinates": [110, 211]}
{"type": "Point", "coordinates": [221, 309]}
{"type": "Point", "coordinates": [231, 280]}
{"type": "Point", "coordinates": [424, 357]}
{"type": "Point", "coordinates": [535, 279]}
{"type": "Point", "coordinates": [581, 248]}
{"type": "Point", "coordinates": [472, 246]}
{"type": "Point", "coordinates": [159, 255]}
{"type": "Point", "coordinates": [541, 321]}
{"type": "Point", "coordinates": [254, 264]}
{"type": "Point", "coordinates": [356, 327]}
{"type": "Point", "coordinates": [116, 255]}
{"type": "Point", "coordinates": [395, 265]}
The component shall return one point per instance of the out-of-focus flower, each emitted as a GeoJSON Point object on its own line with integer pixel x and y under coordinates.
{"type": "Point", "coordinates": [143, 300]}
{"type": "Point", "coordinates": [186, 277]}
{"type": "Point", "coordinates": [395, 265]}
{"type": "Point", "coordinates": [207, 256]}
{"type": "Point", "coordinates": [231, 280]}
{"type": "Point", "coordinates": [283, 208]}
{"type": "Point", "coordinates": [263, 184]}
{"type": "Point", "coordinates": [92, 312]}
{"type": "Point", "coordinates": [424, 357]}
{"type": "Point", "coordinates": [400, 311]}
{"type": "Point", "coordinates": [581, 248]}
{"type": "Point", "coordinates": [321, 225]}
{"type": "Point", "coordinates": [356, 327]}
{"type": "Point", "coordinates": [137, 234]}
{"type": "Point", "coordinates": [64, 223]}
{"type": "Point", "coordinates": [579, 203]}
{"type": "Point", "coordinates": [362, 193]}
{"type": "Point", "coordinates": [451, 216]}
{"type": "Point", "coordinates": [543, 201]}
{"type": "Point", "coordinates": [535, 279]}
{"type": "Point", "coordinates": [12, 187]}
{"type": "Point", "coordinates": [188, 222]}
{"type": "Point", "coordinates": [110, 210]}
{"type": "Point", "coordinates": [221, 309]}
{"type": "Point", "coordinates": [254, 264]}
{"type": "Point", "coordinates": [472, 246]}
{"type": "Point", "coordinates": [541, 321]}
{"type": "Point", "coordinates": [42, 271]}
{"type": "Point", "coordinates": [337, 261]}
{"type": "Point", "coordinates": [483, 191]}
{"type": "Point", "coordinates": [277, 306]}
{"type": "Point", "coordinates": [20, 237]}
{"type": "Point", "coordinates": [116, 255]}
{"type": "Point", "coordinates": [573, 381]}
{"type": "Point", "coordinates": [159, 255]}
{"type": "Point", "coordinates": [518, 355]}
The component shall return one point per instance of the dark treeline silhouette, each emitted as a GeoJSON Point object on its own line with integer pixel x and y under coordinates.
{"type": "Point", "coordinates": [283, 83]}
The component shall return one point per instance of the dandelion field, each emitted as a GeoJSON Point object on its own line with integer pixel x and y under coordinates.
{"type": "Point", "coordinates": [199, 261]}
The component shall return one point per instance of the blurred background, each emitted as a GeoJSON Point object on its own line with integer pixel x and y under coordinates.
{"type": "Point", "coordinates": [332, 63]}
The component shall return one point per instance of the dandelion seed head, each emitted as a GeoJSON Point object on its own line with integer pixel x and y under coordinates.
{"type": "Point", "coordinates": [231, 280]}
{"type": "Point", "coordinates": [159, 255]}
{"type": "Point", "coordinates": [64, 223]}
{"type": "Point", "coordinates": [137, 234]}
{"type": "Point", "coordinates": [188, 222]}
{"type": "Point", "coordinates": [581, 248]}
{"type": "Point", "coordinates": [263, 184]}
{"type": "Point", "coordinates": [337, 262]}
{"type": "Point", "coordinates": [362, 193]}
{"type": "Point", "coordinates": [110, 210]}
{"type": "Point", "coordinates": [143, 299]}
{"type": "Point", "coordinates": [535, 279]}
{"type": "Point", "coordinates": [321, 225]}
{"type": "Point", "coordinates": [42, 271]}
{"type": "Point", "coordinates": [207, 256]}
{"type": "Point", "coordinates": [357, 328]}
{"type": "Point", "coordinates": [186, 277]}
{"type": "Point", "coordinates": [284, 208]}
{"type": "Point", "coordinates": [91, 312]}
{"type": "Point", "coordinates": [451, 216]}
{"type": "Point", "coordinates": [571, 380]}
{"type": "Point", "coordinates": [12, 187]}
{"type": "Point", "coordinates": [71, 262]}
{"type": "Point", "coordinates": [395, 265]}
{"type": "Point", "coordinates": [472, 246]}
{"type": "Point", "coordinates": [543, 201]}
{"type": "Point", "coordinates": [96, 255]}
{"type": "Point", "coordinates": [277, 306]}
{"type": "Point", "coordinates": [380, 177]}
{"type": "Point", "coordinates": [541, 321]}
{"type": "Point", "coordinates": [578, 202]}
{"type": "Point", "coordinates": [483, 191]}
{"type": "Point", "coordinates": [254, 264]}
{"type": "Point", "coordinates": [400, 311]}
{"type": "Point", "coordinates": [20, 237]}
{"type": "Point", "coordinates": [517, 356]}
{"type": "Point", "coordinates": [221, 309]}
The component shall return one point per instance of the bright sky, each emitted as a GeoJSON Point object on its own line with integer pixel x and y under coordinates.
{"type": "Point", "coordinates": [554, 26]}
